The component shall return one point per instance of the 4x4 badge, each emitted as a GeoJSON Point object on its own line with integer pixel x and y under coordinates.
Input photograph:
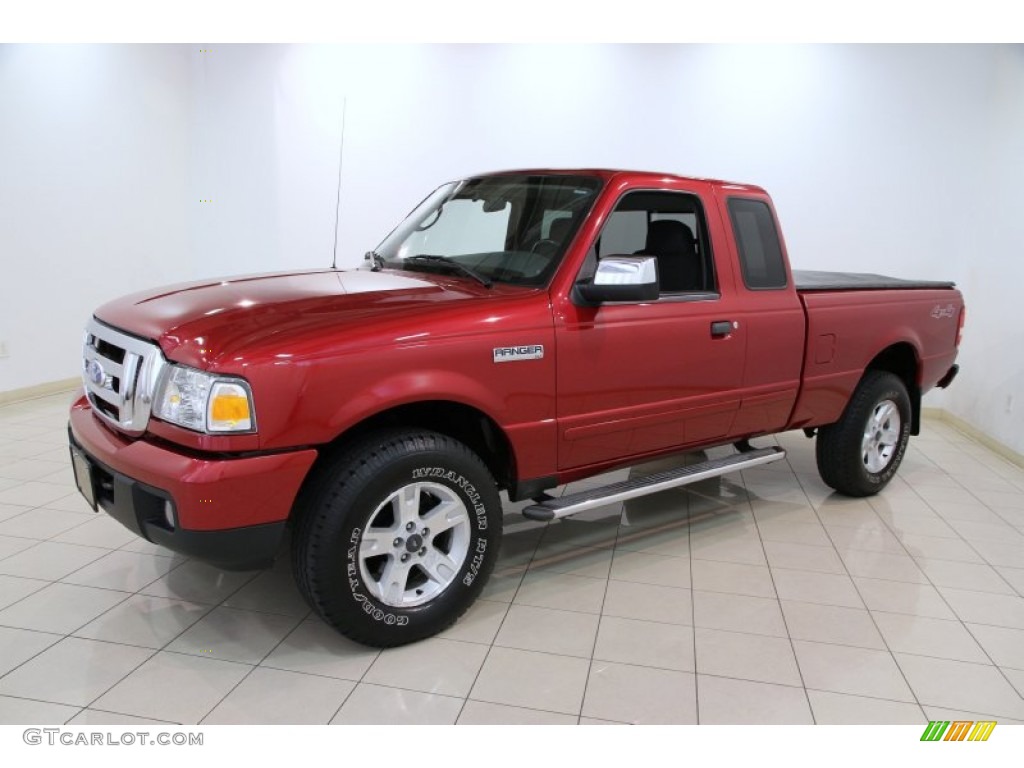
{"type": "Point", "coordinates": [511, 354]}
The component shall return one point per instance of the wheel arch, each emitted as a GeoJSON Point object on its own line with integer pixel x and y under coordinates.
{"type": "Point", "coordinates": [901, 360]}
{"type": "Point", "coordinates": [462, 422]}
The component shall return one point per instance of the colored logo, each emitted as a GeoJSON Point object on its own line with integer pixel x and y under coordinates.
{"type": "Point", "coordinates": [958, 730]}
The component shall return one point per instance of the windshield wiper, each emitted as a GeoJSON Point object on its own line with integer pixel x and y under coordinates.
{"type": "Point", "coordinates": [375, 259]}
{"type": "Point", "coordinates": [427, 258]}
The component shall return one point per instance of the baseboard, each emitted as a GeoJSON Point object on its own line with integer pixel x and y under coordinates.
{"type": "Point", "coordinates": [39, 390]}
{"type": "Point", "coordinates": [976, 434]}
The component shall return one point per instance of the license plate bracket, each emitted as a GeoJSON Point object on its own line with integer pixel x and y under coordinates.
{"type": "Point", "coordinates": [84, 476]}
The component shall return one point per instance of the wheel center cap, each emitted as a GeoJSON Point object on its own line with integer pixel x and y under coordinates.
{"type": "Point", "coordinates": [414, 543]}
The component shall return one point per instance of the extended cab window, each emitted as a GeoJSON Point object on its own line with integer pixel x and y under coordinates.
{"type": "Point", "coordinates": [758, 242]}
{"type": "Point", "coordinates": [669, 226]}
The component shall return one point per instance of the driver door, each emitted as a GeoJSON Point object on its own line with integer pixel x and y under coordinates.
{"type": "Point", "coordinates": [638, 378]}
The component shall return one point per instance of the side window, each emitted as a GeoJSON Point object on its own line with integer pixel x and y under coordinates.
{"type": "Point", "coordinates": [669, 226]}
{"type": "Point", "coordinates": [624, 232]}
{"type": "Point", "coordinates": [758, 242]}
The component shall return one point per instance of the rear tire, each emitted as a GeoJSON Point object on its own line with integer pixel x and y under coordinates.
{"type": "Point", "coordinates": [397, 536]}
{"type": "Point", "coordinates": [860, 453]}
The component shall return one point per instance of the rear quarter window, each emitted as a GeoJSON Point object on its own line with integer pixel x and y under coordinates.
{"type": "Point", "coordinates": [757, 240]}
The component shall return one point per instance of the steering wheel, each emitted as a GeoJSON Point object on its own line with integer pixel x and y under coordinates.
{"type": "Point", "coordinates": [545, 247]}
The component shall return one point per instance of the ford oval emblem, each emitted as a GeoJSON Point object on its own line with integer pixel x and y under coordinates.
{"type": "Point", "coordinates": [95, 373]}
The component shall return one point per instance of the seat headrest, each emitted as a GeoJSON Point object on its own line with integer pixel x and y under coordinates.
{"type": "Point", "coordinates": [559, 229]}
{"type": "Point", "coordinates": [668, 236]}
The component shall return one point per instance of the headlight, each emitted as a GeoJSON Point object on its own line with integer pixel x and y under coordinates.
{"type": "Point", "coordinates": [204, 402]}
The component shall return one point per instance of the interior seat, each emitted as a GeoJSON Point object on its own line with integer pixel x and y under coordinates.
{"type": "Point", "coordinates": [559, 228]}
{"type": "Point", "coordinates": [672, 243]}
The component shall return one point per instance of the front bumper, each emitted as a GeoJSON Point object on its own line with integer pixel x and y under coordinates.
{"type": "Point", "coordinates": [230, 512]}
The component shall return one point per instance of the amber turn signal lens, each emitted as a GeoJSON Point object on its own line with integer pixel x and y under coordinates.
{"type": "Point", "coordinates": [230, 408]}
{"type": "Point", "coordinates": [227, 407]}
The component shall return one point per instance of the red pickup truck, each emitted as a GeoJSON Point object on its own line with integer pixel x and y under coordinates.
{"type": "Point", "coordinates": [517, 331]}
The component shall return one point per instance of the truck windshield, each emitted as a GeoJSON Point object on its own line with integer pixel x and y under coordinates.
{"type": "Point", "coordinates": [512, 228]}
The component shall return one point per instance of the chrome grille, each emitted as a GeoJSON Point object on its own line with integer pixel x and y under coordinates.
{"type": "Point", "coordinates": [120, 375]}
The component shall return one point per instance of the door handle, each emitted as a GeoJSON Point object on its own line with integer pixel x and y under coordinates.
{"type": "Point", "coordinates": [721, 328]}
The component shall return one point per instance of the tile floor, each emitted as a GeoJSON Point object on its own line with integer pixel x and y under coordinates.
{"type": "Point", "coordinates": [756, 598]}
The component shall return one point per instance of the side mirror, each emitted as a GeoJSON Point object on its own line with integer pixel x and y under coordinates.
{"type": "Point", "coordinates": [620, 278]}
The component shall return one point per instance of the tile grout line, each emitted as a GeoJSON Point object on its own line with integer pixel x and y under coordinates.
{"type": "Point", "coordinates": [511, 602]}
{"type": "Point", "coordinates": [120, 679]}
{"type": "Point", "coordinates": [778, 599]}
{"type": "Point", "coordinates": [693, 609]}
{"type": "Point", "coordinates": [145, 660]}
{"type": "Point", "coordinates": [600, 618]}
{"type": "Point", "coordinates": [965, 437]}
{"type": "Point", "coordinates": [253, 668]}
{"type": "Point", "coordinates": [522, 579]}
{"type": "Point", "coordinates": [66, 635]}
{"type": "Point", "coordinates": [935, 588]}
{"type": "Point", "coordinates": [162, 649]}
{"type": "Point", "coordinates": [214, 607]}
{"type": "Point", "coordinates": [870, 614]}
{"type": "Point", "coordinates": [125, 714]}
{"type": "Point", "coordinates": [963, 624]}
{"type": "Point", "coordinates": [970, 544]}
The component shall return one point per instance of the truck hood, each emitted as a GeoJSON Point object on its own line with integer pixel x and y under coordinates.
{"type": "Point", "coordinates": [202, 323]}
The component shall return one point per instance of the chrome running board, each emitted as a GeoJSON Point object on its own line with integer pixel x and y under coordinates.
{"type": "Point", "coordinates": [554, 509]}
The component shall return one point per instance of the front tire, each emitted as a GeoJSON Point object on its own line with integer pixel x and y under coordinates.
{"type": "Point", "coordinates": [398, 536]}
{"type": "Point", "coordinates": [860, 453]}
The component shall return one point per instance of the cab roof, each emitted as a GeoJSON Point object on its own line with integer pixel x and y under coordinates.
{"type": "Point", "coordinates": [618, 174]}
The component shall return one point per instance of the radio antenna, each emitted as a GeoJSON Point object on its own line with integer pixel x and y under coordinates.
{"type": "Point", "coordinates": [337, 201]}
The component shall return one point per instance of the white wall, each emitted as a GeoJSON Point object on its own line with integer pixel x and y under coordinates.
{"type": "Point", "coordinates": [93, 192]}
{"type": "Point", "coordinates": [990, 391]}
{"type": "Point", "coordinates": [898, 159]}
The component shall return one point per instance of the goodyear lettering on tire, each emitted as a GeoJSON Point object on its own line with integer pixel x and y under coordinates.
{"type": "Point", "coordinates": [370, 608]}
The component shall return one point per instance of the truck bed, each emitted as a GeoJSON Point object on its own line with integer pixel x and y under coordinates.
{"type": "Point", "coordinates": [813, 280]}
